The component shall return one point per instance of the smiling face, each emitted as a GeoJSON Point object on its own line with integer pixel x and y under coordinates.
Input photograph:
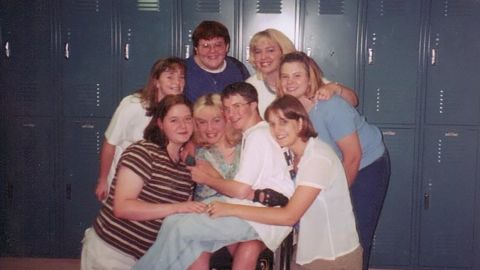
{"type": "Point", "coordinates": [177, 124]}
{"type": "Point", "coordinates": [170, 82]}
{"type": "Point", "coordinates": [294, 79]}
{"type": "Point", "coordinates": [267, 55]}
{"type": "Point", "coordinates": [239, 112]}
{"type": "Point", "coordinates": [210, 54]}
{"type": "Point", "coordinates": [210, 124]}
{"type": "Point", "coordinates": [285, 131]}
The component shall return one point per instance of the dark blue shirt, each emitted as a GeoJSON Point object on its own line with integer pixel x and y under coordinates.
{"type": "Point", "coordinates": [200, 82]}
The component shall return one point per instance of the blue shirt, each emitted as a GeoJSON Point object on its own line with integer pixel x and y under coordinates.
{"type": "Point", "coordinates": [200, 82]}
{"type": "Point", "coordinates": [334, 119]}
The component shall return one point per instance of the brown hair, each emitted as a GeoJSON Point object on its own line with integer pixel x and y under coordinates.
{"type": "Point", "coordinates": [208, 30]}
{"type": "Point", "coordinates": [314, 72]}
{"type": "Point", "coordinates": [243, 89]}
{"type": "Point", "coordinates": [149, 93]}
{"type": "Point", "coordinates": [292, 109]}
{"type": "Point", "coordinates": [153, 132]}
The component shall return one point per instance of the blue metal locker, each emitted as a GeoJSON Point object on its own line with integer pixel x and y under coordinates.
{"type": "Point", "coordinates": [330, 37]}
{"type": "Point", "coordinates": [30, 205]}
{"type": "Point", "coordinates": [87, 58]}
{"type": "Point", "coordinates": [258, 15]}
{"type": "Point", "coordinates": [453, 97]}
{"type": "Point", "coordinates": [449, 176]}
{"type": "Point", "coordinates": [195, 11]}
{"type": "Point", "coordinates": [27, 72]}
{"type": "Point", "coordinates": [393, 236]}
{"type": "Point", "coordinates": [82, 141]}
{"type": "Point", "coordinates": [391, 61]}
{"type": "Point", "coordinates": [147, 34]}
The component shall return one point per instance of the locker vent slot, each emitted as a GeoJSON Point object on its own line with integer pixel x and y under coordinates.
{"type": "Point", "coordinates": [331, 7]}
{"type": "Point", "coordinates": [27, 95]}
{"type": "Point", "coordinates": [269, 6]}
{"type": "Point", "coordinates": [87, 5]}
{"type": "Point", "coordinates": [88, 95]}
{"type": "Point", "coordinates": [148, 5]}
{"type": "Point", "coordinates": [208, 6]}
{"type": "Point", "coordinates": [460, 7]}
{"type": "Point", "coordinates": [392, 8]}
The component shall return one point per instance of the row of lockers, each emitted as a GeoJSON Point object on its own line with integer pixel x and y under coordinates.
{"type": "Point", "coordinates": [65, 64]}
{"type": "Point", "coordinates": [78, 58]}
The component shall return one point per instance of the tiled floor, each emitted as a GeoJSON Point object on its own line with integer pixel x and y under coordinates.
{"type": "Point", "coordinates": [9, 263]}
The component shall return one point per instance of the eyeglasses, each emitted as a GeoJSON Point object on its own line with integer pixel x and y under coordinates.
{"type": "Point", "coordinates": [216, 46]}
{"type": "Point", "coordinates": [235, 107]}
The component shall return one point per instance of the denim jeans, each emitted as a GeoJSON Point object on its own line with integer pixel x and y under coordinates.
{"type": "Point", "coordinates": [368, 193]}
{"type": "Point", "coordinates": [183, 237]}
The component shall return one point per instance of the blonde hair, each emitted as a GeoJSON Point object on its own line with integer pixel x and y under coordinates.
{"type": "Point", "coordinates": [232, 136]}
{"type": "Point", "coordinates": [314, 73]}
{"type": "Point", "coordinates": [285, 44]}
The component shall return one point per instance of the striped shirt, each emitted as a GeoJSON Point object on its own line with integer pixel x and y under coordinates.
{"type": "Point", "coordinates": [164, 182]}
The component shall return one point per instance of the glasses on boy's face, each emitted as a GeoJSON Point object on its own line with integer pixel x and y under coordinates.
{"type": "Point", "coordinates": [215, 46]}
{"type": "Point", "coordinates": [234, 107]}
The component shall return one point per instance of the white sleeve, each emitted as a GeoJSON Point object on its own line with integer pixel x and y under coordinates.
{"type": "Point", "coordinates": [117, 127]}
{"type": "Point", "coordinates": [316, 171]}
{"type": "Point", "coordinates": [254, 155]}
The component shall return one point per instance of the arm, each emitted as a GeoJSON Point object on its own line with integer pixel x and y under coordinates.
{"type": "Point", "coordinates": [333, 88]}
{"type": "Point", "coordinates": [106, 158]}
{"type": "Point", "coordinates": [126, 204]}
{"type": "Point", "coordinates": [301, 200]}
{"type": "Point", "coordinates": [204, 173]}
{"type": "Point", "coordinates": [352, 154]}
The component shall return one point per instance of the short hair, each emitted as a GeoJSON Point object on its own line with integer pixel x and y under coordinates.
{"type": "Point", "coordinates": [244, 89]}
{"type": "Point", "coordinates": [149, 93]}
{"type": "Point", "coordinates": [153, 132]}
{"type": "Point", "coordinates": [292, 109]}
{"type": "Point", "coordinates": [285, 44]}
{"type": "Point", "coordinates": [208, 30]}
{"type": "Point", "coordinates": [314, 72]}
{"type": "Point", "coordinates": [215, 100]}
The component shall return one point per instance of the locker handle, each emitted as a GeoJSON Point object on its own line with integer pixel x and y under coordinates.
{"type": "Point", "coordinates": [434, 57]}
{"type": "Point", "coordinates": [66, 51]}
{"type": "Point", "coordinates": [370, 56]}
{"type": "Point", "coordinates": [247, 53]}
{"type": "Point", "coordinates": [68, 192]}
{"type": "Point", "coordinates": [309, 52]}
{"type": "Point", "coordinates": [7, 49]}
{"type": "Point", "coordinates": [187, 51]}
{"type": "Point", "coordinates": [127, 51]}
{"type": "Point", "coordinates": [426, 201]}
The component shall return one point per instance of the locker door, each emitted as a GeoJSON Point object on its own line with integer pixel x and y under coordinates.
{"type": "Point", "coordinates": [391, 60]}
{"type": "Point", "coordinates": [82, 141]}
{"type": "Point", "coordinates": [145, 37]}
{"type": "Point", "coordinates": [87, 58]}
{"type": "Point", "coordinates": [27, 72]}
{"type": "Point", "coordinates": [30, 206]}
{"type": "Point", "coordinates": [393, 236]}
{"type": "Point", "coordinates": [195, 11]}
{"type": "Point", "coordinates": [330, 37]}
{"type": "Point", "coordinates": [258, 15]}
{"type": "Point", "coordinates": [452, 83]}
{"type": "Point", "coordinates": [448, 210]}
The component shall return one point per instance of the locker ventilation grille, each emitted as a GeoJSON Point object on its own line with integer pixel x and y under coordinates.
{"type": "Point", "coordinates": [331, 7]}
{"type": "Point", "coordinates": [148, 5]}
{"type": "Point", "coordinates": [209, 6]}
{"type": "Point", "coordinates": [87, 5]}
{"type": "Point", "coordinates": [460, 7]}
{"type": "Point", "coordinates": [269, 6]}
{"type": "Point", "coordinates": [392, 8]}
